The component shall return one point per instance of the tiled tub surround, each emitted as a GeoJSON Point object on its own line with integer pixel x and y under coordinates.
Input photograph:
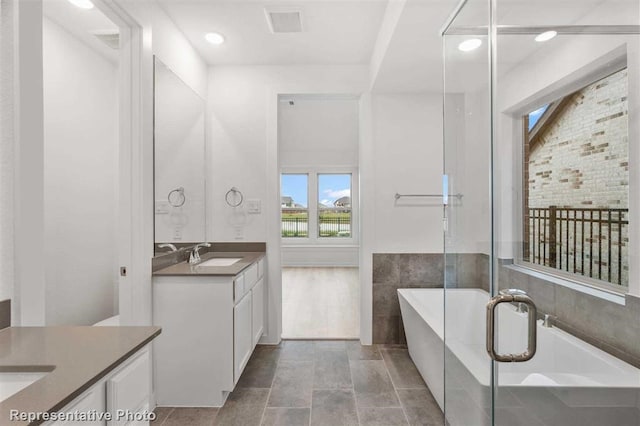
{"type": "Point", "coordinates": [392, 271]}
{"type": "Point", "coordinates": [609, 326]}
{"type": "Point", "coordinates": [321, 383]}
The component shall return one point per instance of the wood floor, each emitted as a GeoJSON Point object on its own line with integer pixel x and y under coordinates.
{"type": "Point", "coordinates": [320, 303]}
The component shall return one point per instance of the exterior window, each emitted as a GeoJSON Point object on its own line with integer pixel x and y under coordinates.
{"type": "Point", "coordinates": [576, 183]}
{"type": "Point", "coordinates": [294, 204]}
{"type": "Point", "coordinates": [334, 205]}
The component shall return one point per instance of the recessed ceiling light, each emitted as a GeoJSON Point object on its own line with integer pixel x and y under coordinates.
{"type": "Point", "coordinates": [214, 38]}
{"type": "Point", "coordinates": [82, 4]}
{"type": "Point", "coordinates": [469, 45]}
{"type": "Point", "coordinates": [546, 36]}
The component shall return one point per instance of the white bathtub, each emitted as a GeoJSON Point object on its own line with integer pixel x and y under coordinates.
{"type": "Point", "coordinates": [577, 374]}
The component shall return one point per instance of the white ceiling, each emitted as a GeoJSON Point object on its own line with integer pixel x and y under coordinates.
{"type": "Point", "coordinates": [414, 61]}
{"type": "Point", "coordinates": [335, 31]}
{"type": "Point", "coordinates": [82, 23]}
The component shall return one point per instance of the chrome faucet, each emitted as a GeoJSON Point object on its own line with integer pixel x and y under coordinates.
{"type": "Point", "coordinates": [169, 246]}
{"type": "Point", "coordinates": [195, 253]}
{"type": "Point", "coordinates": [546, 322]}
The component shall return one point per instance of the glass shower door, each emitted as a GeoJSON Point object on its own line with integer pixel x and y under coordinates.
{"type": "Point", "coordinates": [467, 215]}
{"type": "Point", "coordinates": [540, 112]}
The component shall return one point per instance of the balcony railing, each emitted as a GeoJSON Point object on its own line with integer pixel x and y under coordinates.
{"type": "Point", "coordinates": [592, 242]}
{"type": "Point", "coordinates": [334, 222]}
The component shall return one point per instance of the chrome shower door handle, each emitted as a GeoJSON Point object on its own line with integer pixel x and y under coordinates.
{"type": "Point", "coordinates": [532, 328]}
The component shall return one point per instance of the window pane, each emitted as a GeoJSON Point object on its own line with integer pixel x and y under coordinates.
{"type": "Point", "coordinates": [576, 182]}
{"type": "Point", "coordinates": [334, 205]}
{"type": "Point", "coordinates": [294, 190]}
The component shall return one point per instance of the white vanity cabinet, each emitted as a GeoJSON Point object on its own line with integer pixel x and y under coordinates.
{"type": "Point", "coordinates": [126, 390]}
{"type": "Point", "coordinates": [210, 327]}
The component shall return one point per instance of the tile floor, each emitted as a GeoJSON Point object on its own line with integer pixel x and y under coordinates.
{"type": "Point", "coordinates": [320, 303]}
{"type": "Point", "coordinates": [320, 383]}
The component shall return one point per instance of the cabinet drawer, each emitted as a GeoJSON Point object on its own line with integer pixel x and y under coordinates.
{"type": "Point", "coordinates": [250, 276]}
{"type": "Point", "coordinates": [238, 288]}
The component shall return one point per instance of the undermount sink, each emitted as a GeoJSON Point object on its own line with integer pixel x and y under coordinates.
{"type": "Point", "coordinates": [13, 382]}
{"type": "Point", "coordinates": [220, 261]}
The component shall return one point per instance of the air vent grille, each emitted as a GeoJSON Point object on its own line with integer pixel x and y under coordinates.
{"type": "Point", "coordinates": [284, 21]}
{"type": "Point", "coordinates": [109, 37]}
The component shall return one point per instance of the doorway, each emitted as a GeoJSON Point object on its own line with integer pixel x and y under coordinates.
{"type": "Point", "coordinates": [318, 153]}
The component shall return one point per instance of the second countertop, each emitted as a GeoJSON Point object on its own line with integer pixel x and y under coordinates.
{"type": "Point", "coordinates": [187, 269]}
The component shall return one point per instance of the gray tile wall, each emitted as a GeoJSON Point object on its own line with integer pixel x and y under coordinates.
{"type": "Point", "coordinates": [611, 327]}
{"type": "Point", "coordinates": [5, 313]}
{"type": "Point", "coordinates": [392, 271]}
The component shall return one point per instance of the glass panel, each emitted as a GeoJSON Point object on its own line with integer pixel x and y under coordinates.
{"type": "Point", "coordinates": [334, 205]}
{"type": "Point", "coordinates": [564, 202]}
{"type": "Point", "coordinates": [467, 393]}
{"type": "Point", "coordinates": [294, 190]}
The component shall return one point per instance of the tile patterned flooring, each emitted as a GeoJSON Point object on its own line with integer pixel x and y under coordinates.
{"type": "Point", "coordinates": [320, 383]}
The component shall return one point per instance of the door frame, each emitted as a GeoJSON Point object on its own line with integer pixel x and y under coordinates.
{"type": "Point", "coordinates": [135, 220]}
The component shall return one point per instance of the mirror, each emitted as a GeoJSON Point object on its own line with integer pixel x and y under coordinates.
{"type": "Point", "coordinates": [179, 159]}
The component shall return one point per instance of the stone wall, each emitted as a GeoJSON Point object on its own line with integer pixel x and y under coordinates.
{"type": "Point", "coordinates": [581, 158]}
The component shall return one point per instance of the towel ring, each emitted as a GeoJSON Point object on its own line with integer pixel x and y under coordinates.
{"type": "Point", "coordinates": [178, 199]}
{"type": "Point", "coordinates": [233, 190]}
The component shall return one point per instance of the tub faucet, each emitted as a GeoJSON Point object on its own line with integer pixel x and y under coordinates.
{"type": "Point", "coordinates": [195, 253]}
{"type": "Point", "coordinates": [546, 322]}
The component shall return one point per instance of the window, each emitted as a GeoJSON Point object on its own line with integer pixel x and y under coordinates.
{"type": "Point", "coordinates": [576, 184]}
{"type": "Point", "coordinates": [294, 205]}
{"type": "Point", "coordinates": [334, 205]}
{"type": "Point", "coordinates": [319, 205]}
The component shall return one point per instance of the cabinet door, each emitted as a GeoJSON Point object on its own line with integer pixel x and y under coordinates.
{"type": "Point", "coordinates": [129, 389]}
{"type": "Point", "coordinates": [91, 400]}
{"type": "Point", "coordinates": [242, 336]}
{"type": "Point", "coordinates": [257, 307]}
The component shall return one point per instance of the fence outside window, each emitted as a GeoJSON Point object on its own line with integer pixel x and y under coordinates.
{"type": "Point", "coordinates": [331, 223]}
{"type": "Point", "coordinates": [592, 242]}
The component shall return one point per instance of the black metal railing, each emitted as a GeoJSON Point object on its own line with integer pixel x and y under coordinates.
{"type": "Point", "coordinates": [331, 223]}
{"type": "Point", "coordinates": [587, 241]}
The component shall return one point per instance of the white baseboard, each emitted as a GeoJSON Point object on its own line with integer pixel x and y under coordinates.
{"type": "Point", "coordinates": [301, 256]}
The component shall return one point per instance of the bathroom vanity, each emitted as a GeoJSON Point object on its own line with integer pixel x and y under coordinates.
{"type": "Point", "coordinates": [212, 316]}
{"type": "Point", "coordinates": [76, 369]}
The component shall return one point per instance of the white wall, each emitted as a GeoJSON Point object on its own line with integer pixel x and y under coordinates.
{"type": "Point", "coordinates": [238, 99]}
{"type": "Point", "coordinates": [6, 149]}
{"type": "Point", "coordinates": [80, 175]}
{"type": "Point", "coordinates": [243, 141]}
{"type": "Point", "coordinates": [407, 156]}
{"type": "Point", "coordinates": [318, 131]}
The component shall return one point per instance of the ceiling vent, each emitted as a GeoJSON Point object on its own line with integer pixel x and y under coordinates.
{"type": "Point", "coordinates": [284, 21]}
{"type": "Point", "coordinates": [109, 37]}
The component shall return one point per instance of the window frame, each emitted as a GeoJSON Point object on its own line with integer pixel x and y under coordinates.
{"type": "Point", "coordinates": [313, 238]}
{"type": "Point", "coordinates": [519, 121]}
